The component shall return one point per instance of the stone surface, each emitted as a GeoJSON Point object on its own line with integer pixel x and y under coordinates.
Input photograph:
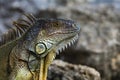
{"type": "Point", "coordinates": [67, 71]}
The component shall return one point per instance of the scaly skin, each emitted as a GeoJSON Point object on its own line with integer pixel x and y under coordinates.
{"type": "Point", "coordinates": [30, 58]}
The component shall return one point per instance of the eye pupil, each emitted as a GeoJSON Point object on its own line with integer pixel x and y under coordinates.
{"type": "Point", "coordinates": [40, 48]}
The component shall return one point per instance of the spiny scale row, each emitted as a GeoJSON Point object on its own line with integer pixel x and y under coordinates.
{"type": "Point", "coordinates": [69, 43]}
{"type": "Point", "coordinates": [21, 27]}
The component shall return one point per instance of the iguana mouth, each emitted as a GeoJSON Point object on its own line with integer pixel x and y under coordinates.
{"type": "Point", "coordinates": [65, 32]}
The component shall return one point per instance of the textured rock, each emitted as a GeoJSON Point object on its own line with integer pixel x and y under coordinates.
{"type": "Point", "coordinates": [66, 71]}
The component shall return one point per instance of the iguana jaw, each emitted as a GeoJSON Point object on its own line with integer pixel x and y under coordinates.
{"type": "Point", "coordinates": [46, 61]}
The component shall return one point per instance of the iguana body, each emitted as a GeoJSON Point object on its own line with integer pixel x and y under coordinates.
{"type": "Point", "coordinates": [27, 50]}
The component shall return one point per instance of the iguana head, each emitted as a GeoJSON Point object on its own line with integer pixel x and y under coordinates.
{"type": "Point", "coordinates": [53, 34]}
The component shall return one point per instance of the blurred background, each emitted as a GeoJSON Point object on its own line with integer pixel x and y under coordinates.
{"type": "Point", "coordinates": [98, 45]}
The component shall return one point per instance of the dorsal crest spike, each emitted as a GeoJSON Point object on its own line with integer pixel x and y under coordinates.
{"type": "Point", "coordinates": [21, 26]}
{"type": "Point", "coordinates": [30, 17]}
{"type": "Point", "coordinates": [19, 29]}
{"type": "Point", "coordinates": [24, 21]}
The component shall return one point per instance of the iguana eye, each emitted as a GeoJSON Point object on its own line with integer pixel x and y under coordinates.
{"type": "Point", "coordinates": [40, 48]}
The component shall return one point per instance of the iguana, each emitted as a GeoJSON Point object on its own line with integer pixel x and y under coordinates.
{"type": "Point", "coordinates": [27, 49]}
